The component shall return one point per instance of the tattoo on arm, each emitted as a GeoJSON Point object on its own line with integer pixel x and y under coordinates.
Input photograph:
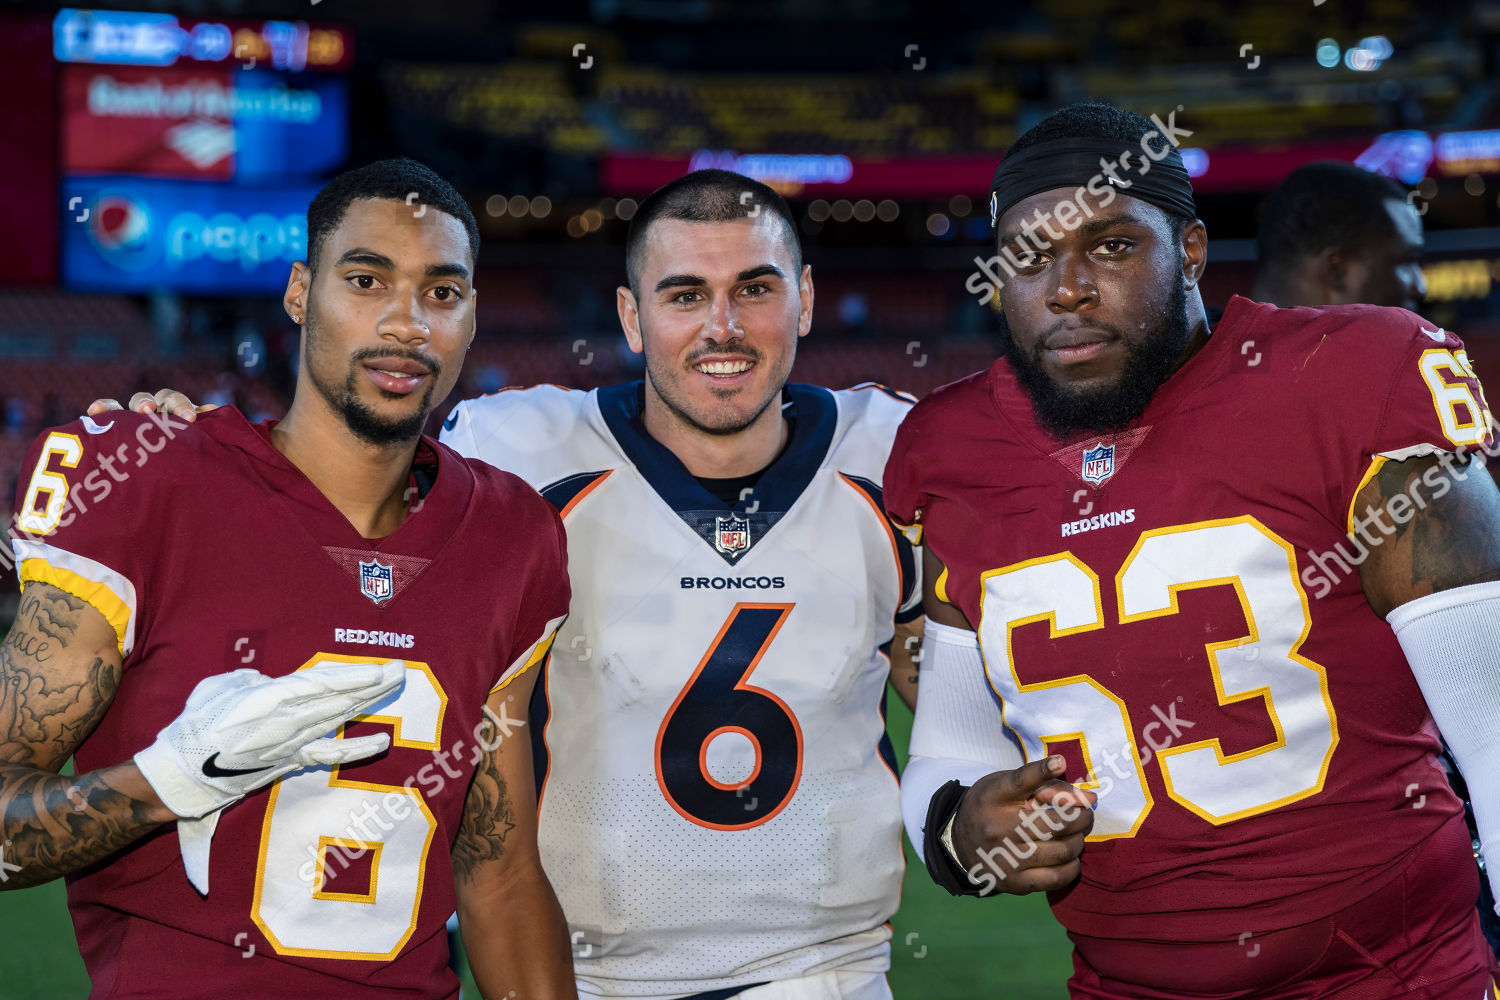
{"type": "Point", "coordinates": [1449, 537]}
{"type": "Point", "coordinates": [52, 691]}
{"type": "Point", "coordinates": [54, 825]}
{"type": "Point", "coordinates": [489, 816]}
{"type": "Point", "coordinates": [54, 688]}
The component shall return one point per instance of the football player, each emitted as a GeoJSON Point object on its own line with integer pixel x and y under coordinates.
{"type": "Point", "coordinates": [360, 759]}
{"type": "Point", "coordinates": [1225, 583]}
{"type": "Point", "coordinates": [719, 807]}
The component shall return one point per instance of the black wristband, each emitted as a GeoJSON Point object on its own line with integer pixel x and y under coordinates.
{"type": "Point", "coordinates": [940, 864]}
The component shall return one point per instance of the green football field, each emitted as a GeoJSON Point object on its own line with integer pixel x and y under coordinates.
{"type": "Point", "coordinates": [1006, 948]}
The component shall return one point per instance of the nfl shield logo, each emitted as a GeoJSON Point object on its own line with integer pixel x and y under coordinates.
{"type": "Point", "coordinates": [375, 580]}
{"type": "Point", "coordinates": [731, 534]}
{"type": "Point", "coordinates": [1098, 463]}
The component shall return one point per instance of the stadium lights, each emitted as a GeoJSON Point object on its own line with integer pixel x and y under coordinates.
{"type": "Point", "coordinates": [864, 210]}
{"type": "Point", "coordinates": [1367, 56]}
{"type": "Point", "coordinates": [1194, 160]}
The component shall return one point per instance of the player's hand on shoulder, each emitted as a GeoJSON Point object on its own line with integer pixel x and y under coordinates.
{"type": "Point", "coordinates": [242, 730]}
{"type": "Point", "coordinates": [168, 401]}
{"type": "Point", "coordinates": [1022, 830]}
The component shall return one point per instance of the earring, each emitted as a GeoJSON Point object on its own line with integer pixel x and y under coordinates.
{"type": "Point", "coordinates": [297, 320]}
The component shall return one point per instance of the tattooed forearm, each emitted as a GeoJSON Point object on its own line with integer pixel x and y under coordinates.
{"type": "Point", "coordinates": [52, 825]}
{"type": "Point", "coordinates": [488, 817]}
{"type": "Point", "coordinates": [1439, 528]}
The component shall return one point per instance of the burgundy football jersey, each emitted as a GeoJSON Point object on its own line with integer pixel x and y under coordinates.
{"type": "Point", "coordinates": [209, 551]}
{"type": "Point", "coordinates": [1176, 608]}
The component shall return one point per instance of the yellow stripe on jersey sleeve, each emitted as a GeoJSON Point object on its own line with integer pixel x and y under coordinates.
{"type": "Point", "coordinates": [108, 592]}
{"type": "Point", "coordinates": [1370, 473]}
{"type": "Point", "coordinates": [534, 654]}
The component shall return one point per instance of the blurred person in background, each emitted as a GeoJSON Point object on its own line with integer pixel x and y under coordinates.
{"type": "Point", "coordinates": [1332, 234]}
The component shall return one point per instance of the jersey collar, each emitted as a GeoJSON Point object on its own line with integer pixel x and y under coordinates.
{"type": "Point", "coordinates": [783, 482]}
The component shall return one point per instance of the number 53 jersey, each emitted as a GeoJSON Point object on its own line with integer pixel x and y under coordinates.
{"type": "Point", "coordinates": [209, 552]}
{"type": "Point", "coordinates": [1177, 610]}
{"type": "Point", "coordinates": [716, 810]}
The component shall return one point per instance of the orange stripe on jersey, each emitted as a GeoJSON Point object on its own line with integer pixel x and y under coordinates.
{"type": "Point", "coordinates": [583, 493]}
{"type": "Point", "coordinates": [900, 394]}
{"type": "Point", "coordinates": [886, 524]}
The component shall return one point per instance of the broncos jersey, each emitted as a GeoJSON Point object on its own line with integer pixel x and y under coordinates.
{"type": "Point", "coordinates": [719, 806]}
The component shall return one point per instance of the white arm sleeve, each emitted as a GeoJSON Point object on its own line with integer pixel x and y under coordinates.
{"type": "Point", "coordinates": [959, 731]}
{"type": "Point", "coordinates": [1452, 641]}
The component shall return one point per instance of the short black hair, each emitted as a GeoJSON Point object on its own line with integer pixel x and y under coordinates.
{"type": "Point", "coordinates": [1094, 120]}
{"type": "Point", "coordinates": [1323, 205]}
{"type": "Point", "coordinates": [707, 196]}
{"type": "Point", "coordinates": [393, 179]}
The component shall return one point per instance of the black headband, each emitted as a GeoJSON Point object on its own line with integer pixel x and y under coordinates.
{"type": "Point", "coordinates": [1159, 178]}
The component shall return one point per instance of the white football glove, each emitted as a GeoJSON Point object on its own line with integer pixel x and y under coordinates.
{"type": "Point", "coordinates": [241, 731]}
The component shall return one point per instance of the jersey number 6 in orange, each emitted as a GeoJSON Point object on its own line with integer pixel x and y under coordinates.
{"type": "Point", "coordinates": [717, 700]}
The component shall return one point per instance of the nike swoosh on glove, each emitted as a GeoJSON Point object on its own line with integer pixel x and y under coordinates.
{"type": "Point", "coordinates": [243, 730]}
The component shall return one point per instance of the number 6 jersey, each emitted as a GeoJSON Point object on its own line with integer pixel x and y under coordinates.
{"type": "Point", "coordinates": [1177, 610]}
{"type": "Point", "coordinates": [716, 810]}
{"type": "Point", "coordinates": [209, 551]}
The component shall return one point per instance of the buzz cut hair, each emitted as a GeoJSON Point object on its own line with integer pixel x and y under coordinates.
{"type": "Point", "coordinates": [1324, 205]}
{"type": "Point", "coordinates": [395, 179]}
{"type": "Point", "coordinates": [707, 196]}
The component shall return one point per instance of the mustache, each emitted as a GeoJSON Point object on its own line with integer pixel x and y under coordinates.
{"type": "Point", "coordinates": [432, 365]}
{"type": "Point", "coordinates": [1086, 324]}
{"type": "Point", "coordinates": [735, 346]}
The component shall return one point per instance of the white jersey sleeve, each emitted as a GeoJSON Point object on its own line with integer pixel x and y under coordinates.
{"type": "Point", "coordinates": [869, 414]}
{"type": "Point", "coordinates": [541, 433]}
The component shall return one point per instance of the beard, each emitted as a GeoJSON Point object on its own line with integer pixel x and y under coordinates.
{"type": "Point", "coordinates": [666, 381]}
{"type": "Point", "coordinates": [1149, 362]}
{"type": "Point", "coordinates": [361, 419]}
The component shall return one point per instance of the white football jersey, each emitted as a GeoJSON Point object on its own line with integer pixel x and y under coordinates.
{"type": "Point", "coordinates": [718, 801]}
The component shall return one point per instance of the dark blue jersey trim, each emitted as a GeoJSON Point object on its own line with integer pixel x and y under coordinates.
{"type": "Point", "coordinates": [783, 481]}
{"type": "Point", "coordinates": [904, 553]}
